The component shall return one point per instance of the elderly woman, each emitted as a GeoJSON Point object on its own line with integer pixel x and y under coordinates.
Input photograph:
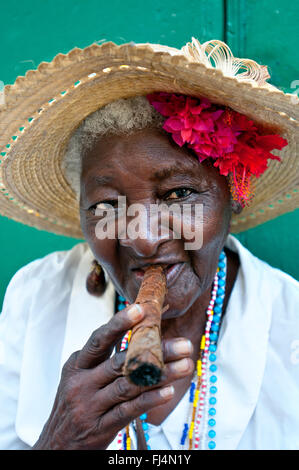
{"type": "Point", "coordinates": [149, 125]}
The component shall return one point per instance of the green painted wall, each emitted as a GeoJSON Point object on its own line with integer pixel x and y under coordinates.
{"type": "Point", "coordinates": [36, 30]}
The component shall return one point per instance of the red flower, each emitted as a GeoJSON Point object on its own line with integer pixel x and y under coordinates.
{"type": "Point", "coordinates": [234, 141]}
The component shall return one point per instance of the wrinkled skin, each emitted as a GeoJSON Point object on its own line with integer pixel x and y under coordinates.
{"type": "Point", "coordinates": [93, 400]}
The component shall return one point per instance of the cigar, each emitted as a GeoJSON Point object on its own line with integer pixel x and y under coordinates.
{"type": "Point", "coordinates": [144, 358]}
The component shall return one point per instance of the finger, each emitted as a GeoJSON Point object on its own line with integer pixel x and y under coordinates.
{"type": "Point", "coordinates": [174, 349]}
{"type": "Point", "coordinates": [124, 413]}
{"type": "Point", "coordinates": [109, 370]}
{"type": "Point", "coordinates": [122, 389]}
{"type": "Point", "coordinates": [100, 344]}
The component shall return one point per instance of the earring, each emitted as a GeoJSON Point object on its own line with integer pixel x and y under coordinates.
{"type": "Point", "coordinates": [96, 282]}
{"type": "Point", "coordinates": [236, 207]}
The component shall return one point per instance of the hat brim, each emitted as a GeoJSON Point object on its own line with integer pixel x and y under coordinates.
{"type": "Point", "coordinates": [43, 108]}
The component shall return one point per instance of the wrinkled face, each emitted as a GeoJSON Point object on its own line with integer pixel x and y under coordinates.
{"type": "Point", "coordinates": [148, 168]}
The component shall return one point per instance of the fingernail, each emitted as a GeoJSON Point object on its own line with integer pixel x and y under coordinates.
{"type": "Point", "coordinates": [182, 365]}
{"type": "Point", "coordinates": [182, 346]}
{"type": "Point", "coordinates": [135, 312]}
{"type": "Point", "coordinates": [167, 391]}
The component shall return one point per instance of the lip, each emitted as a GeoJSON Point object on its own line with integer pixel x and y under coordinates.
{"type": "Point", "coordinates": [172, 272]}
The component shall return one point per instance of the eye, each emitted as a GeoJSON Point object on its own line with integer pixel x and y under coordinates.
{"type": "Point", "coordinates": [103, 206]}
{"type": "Point", "coordinates": [179, 193]}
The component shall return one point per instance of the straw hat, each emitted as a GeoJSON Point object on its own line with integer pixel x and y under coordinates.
{"type": "Point", "coordinates": [43, 108]}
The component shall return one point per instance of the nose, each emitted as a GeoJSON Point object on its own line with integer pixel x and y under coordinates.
{"type": "Point", "coordinates": [144, 235]}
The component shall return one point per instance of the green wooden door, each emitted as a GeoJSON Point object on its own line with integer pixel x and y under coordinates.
{"type": "Point", "coordinates": [34, 31]}
{"type": "Point", "coordinates": [268, 33]}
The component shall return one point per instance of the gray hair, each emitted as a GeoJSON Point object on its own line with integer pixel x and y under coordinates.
{"type": "Point", "coordinates": [123, 116]}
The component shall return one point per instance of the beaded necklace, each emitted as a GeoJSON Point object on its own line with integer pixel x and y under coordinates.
{"type": "Point", "coordinates": [202, 400]}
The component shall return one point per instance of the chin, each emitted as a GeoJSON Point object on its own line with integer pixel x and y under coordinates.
{"type": "Point", "coordinates": [178, 304]}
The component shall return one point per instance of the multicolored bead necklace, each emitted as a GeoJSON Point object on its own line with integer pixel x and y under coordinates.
{"type": "Point", "coordinates": [202, 396]}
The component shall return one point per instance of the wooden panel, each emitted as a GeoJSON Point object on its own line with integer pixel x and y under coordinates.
{"type": "Point", "coordinates": [36, 30]}
{"type": "Point", "coordinates": [268, 33]}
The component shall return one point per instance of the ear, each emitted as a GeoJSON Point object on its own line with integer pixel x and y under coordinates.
{"type": "Point", "coordinates": [236, 207]}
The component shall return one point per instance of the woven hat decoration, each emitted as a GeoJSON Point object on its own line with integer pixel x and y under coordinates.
{"type": "Point", "coordinates": [42, 110]}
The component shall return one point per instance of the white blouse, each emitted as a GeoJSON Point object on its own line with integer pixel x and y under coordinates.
{"type": "Point", "coordinates": [48, 314]}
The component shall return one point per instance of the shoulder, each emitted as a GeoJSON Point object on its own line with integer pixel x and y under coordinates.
{"type": "Point", "coordinates": [45, 276]}
{"type": "Point", "coordinates": [36, 291]}
{"type": "Point", "coordinates": [271, 287]}
{"type": "Point", "coordinates": [250, 262]}
{"type": "Point", "coordinates": [54, 262]}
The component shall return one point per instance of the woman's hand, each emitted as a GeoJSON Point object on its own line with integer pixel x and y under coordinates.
{"type": "Point", "coordinates": [94, 401]}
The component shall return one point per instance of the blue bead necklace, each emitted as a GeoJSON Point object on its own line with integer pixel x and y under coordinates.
{"type": "Point", "coordinates": [200, 402]}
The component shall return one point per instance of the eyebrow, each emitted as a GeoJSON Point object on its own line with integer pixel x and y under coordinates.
{"type": "Point", "coordinates": [165, 173]}
{"type": "Point", "coordinates": [102, 180]}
